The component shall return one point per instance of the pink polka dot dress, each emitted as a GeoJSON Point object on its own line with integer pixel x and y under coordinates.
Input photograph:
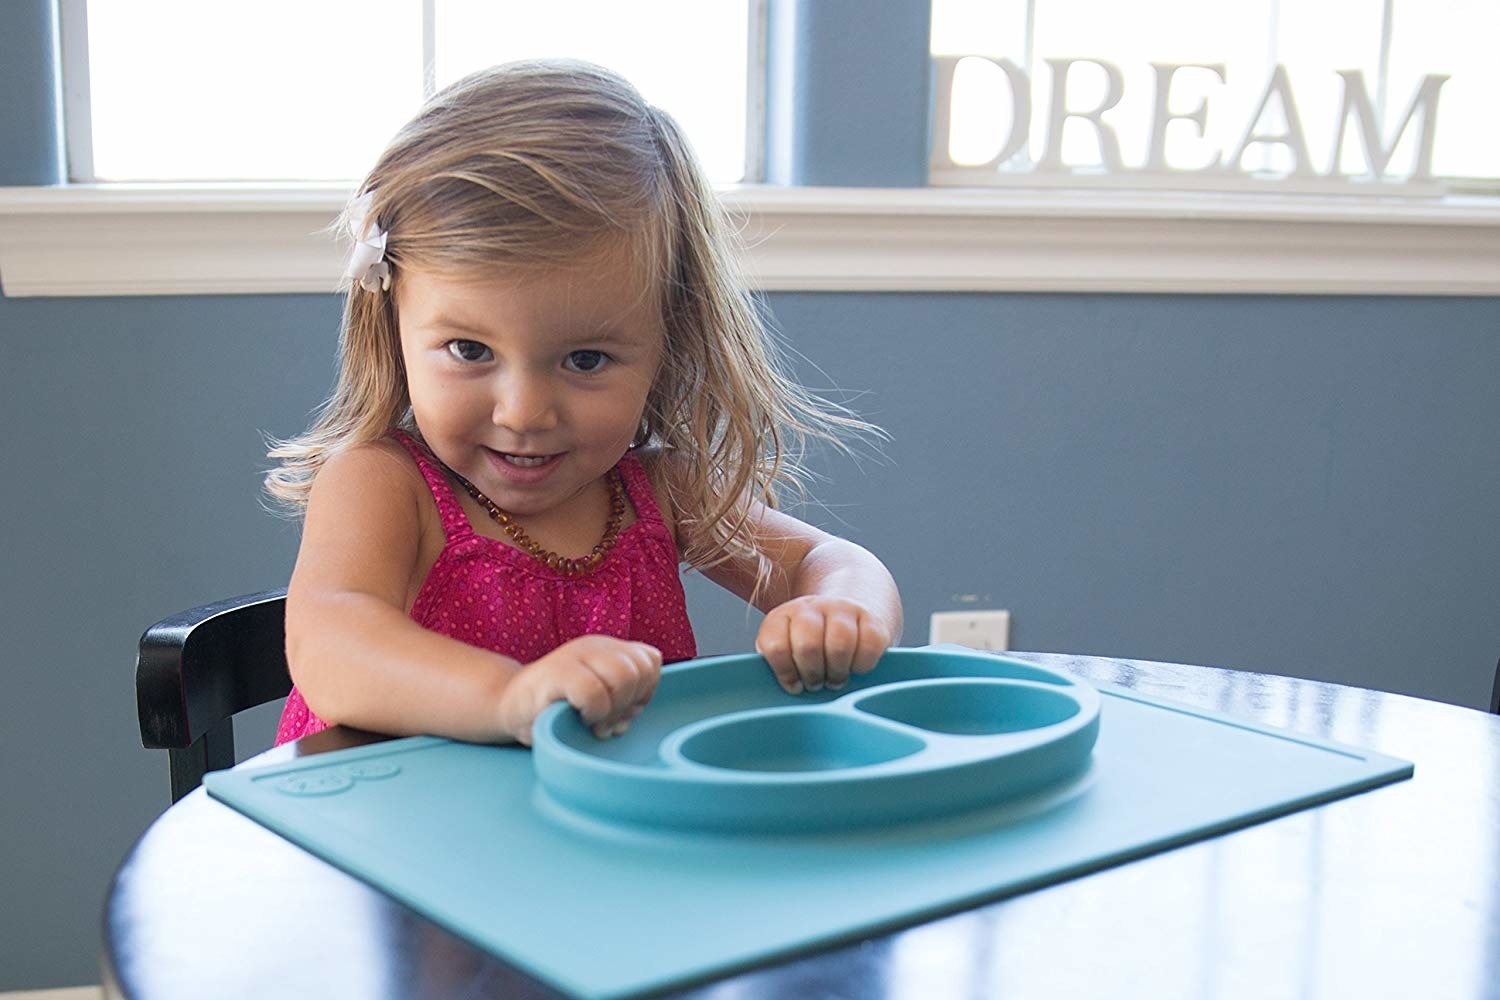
{"type": "Point", "coordinates": [492, 595]}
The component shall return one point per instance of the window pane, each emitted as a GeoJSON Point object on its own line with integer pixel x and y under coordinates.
{"type": "Point", "coordinates": [1456, 37]}
{"type": "Point", "coordinates": [1314, 41]}
{"type": "Point", "coordinates": [979, 28]}
{"type": "Point", "coordinates": [278, 89]}
{"type": "Point", "coordinates": [298, 90]}
{"type": "Point", "coordinates": [686, 56]}
{"type": "Point", "coordinates": [1237, 34]}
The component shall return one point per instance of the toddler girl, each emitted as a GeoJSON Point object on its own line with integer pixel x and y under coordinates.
{"type": "Point", "coordinates": [553, 389]}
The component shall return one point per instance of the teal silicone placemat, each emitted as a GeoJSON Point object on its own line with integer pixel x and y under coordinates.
{"type": "Point", "coordinates": [465, 835]}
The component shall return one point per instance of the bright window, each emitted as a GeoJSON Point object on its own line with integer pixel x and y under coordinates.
{"type": "Point", "coordinates": [1394, 44]}
{"type": "Point", "coordinates": [286, 90]}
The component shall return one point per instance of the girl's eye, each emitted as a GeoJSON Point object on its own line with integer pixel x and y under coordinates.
{"type": "Point", "coordinates": [468, 350]}
{"type": "Point", "coordinates": [586, 362]}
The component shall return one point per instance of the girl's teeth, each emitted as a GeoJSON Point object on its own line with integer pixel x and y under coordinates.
{"type": "Point", "coordinates": [527, 460]}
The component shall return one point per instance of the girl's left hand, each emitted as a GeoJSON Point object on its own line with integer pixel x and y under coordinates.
{"type": "Point", "coordinates": [813, 642]}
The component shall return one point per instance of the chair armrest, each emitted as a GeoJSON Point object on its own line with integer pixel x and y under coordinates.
{"type": "Point", "coordinates": [198, 668]}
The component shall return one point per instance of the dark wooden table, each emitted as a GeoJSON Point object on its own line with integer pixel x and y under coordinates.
{"type": "Point", "coordinates": [1391, 893]}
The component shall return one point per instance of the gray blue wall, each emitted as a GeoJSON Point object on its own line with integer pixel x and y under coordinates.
{"type": "Point", "coordinates": [1294, 485]}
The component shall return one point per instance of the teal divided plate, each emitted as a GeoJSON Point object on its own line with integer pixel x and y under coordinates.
{"type": "Point", "coordinates": [735, 824]}
{"type": "Point", "coordinates": [932, 732]}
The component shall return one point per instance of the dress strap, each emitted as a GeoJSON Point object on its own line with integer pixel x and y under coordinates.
{"type": "Point", "coordinates": [455, 522]}
{"type": "Point", "coordinates": [638, 488]}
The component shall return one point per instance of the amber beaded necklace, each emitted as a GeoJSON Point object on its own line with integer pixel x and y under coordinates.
{"type": "Point", "coordinates": [564, 565]}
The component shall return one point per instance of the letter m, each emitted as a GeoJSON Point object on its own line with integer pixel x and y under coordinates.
{"type": "Point", "coordinates": [1378, 156]}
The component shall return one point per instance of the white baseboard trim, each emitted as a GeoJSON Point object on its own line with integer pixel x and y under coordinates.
{"type": "Point", "coordinates": [65, 993]}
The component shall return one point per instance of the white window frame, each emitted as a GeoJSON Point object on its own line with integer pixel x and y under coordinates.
{"type": "Point", "coordinates": [73, 74]}
{"type": "Point", "coordinates": [141, 239]}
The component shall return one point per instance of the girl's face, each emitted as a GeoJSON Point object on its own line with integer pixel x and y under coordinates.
{"type": "Point", "coordinates": [530, 382]}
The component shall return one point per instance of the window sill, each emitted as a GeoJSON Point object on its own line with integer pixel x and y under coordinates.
{"type": "Point", "coordinates": [264, 239]}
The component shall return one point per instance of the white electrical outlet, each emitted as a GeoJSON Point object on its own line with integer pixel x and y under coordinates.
{"type": "Point", "coordinates": [975, 629]}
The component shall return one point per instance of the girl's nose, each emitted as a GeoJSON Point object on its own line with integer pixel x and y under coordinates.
{"type": "Point", "coordinates": [525, 404]}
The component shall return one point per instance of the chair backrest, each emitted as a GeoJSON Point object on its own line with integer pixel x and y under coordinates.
{"type": "Point", "coordinates": [196, 669]}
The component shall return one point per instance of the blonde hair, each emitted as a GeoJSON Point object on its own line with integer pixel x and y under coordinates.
{"type": "Point", "coordinates": [531, 164]}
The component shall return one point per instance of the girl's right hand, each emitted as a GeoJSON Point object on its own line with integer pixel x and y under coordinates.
{"type": "Point", "coordinates": [607, 680]}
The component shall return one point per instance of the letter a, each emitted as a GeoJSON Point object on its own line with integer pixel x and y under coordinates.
{"type": "Point", "coordinates": [1293, 138]}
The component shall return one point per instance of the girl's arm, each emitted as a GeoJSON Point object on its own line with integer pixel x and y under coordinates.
{"type": "Point", "coordinates": [359, 660]}
{"type": "Point", "coordinates": [831, 607]}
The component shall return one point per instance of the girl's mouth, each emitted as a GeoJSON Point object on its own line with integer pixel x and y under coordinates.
{"type": "Point", "coordinates": [524, 470]}
{"type": "Point", "coordinates": [526, 461]}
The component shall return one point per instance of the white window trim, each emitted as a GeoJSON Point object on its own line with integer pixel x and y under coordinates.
{"type": "Point", "coordinates": [88, 240]}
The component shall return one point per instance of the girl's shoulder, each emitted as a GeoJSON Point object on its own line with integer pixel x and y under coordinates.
{"type": "Point", "coordinates": [370, 524]}
{"type": "Point", "coordinates": [381, 470]}
{"type": "Point", "coordinates": [384, 456]}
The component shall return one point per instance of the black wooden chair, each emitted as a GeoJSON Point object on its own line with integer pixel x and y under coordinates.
{"type": "Point", "coordinates": [196, 669]}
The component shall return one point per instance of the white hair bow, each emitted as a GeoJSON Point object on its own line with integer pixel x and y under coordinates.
{"type": "Point", "coordinates": [367, 263]}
